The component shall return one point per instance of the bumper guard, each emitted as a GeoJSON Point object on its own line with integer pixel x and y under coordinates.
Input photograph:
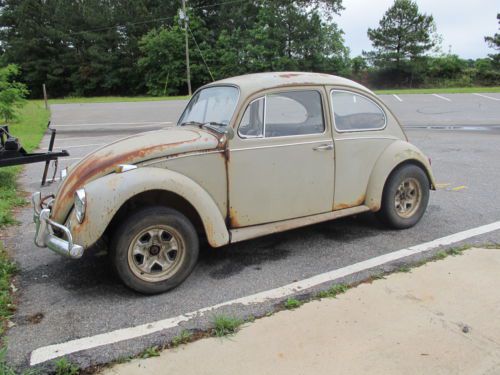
{"type": "Point", "coordinates": [45, 236]}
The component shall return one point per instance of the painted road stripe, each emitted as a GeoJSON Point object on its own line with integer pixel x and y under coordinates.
{"type": "Point", "coordinates": [486, 96]}
{"type": "Point", "coordinates": [397, 97]}
{"type": "Point", "coordinates": [87, 145]}
{"type": "Point", "coordinates": [50, 352]}
{"type": "Point", "coordinates": [441, 97]}
{"type": "Point", "coordinates": [115, 123]}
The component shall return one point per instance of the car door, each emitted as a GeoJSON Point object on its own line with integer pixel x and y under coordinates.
{"type": "Point", "coordinates": [361, 134]}
{"type": "Point", "coordinates": [281, 161]}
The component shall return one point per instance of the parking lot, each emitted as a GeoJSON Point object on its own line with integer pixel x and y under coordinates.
{"type": "Point", "coordinates": [63, 300]}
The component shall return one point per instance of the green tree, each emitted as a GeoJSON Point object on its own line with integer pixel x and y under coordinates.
{"type": "Point", "coordinates": [494, 42]}
{"type": "Point", "coordinates": [403, 34]}
{"type": "Point", "coordinates": [12, 93]}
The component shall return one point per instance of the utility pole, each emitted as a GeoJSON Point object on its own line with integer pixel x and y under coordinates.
{"type": "Point", "coordinates": [184, 16]}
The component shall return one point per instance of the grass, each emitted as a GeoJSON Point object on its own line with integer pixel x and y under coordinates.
{"type": "Point", "coordinates": [7, 270]}
{"type": "Point", "coordinates": [292, 303]}
{"type": "Point", "coordinates": [113, 99]}
{"type": "Point", "coordinates": [65, 367]}
{"type": "Point", "coordinates": [444, 90]}
{"type": "Point", "coordinates": [154, 351]}
{"type": "Point", "coordinates": [182, 338]}
{"type": "Point", "coordinates": [334, 291]}
{"type": "Point", "coordinates": [29, 128]}
{"type": "Point", "coordinates": [225, 325]}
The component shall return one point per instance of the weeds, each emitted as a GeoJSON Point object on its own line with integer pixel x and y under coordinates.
{"type": "Point", "coordinates": [292, 303]}
{"type": "Point", "coordinates": [182, 338]}
{"type": "Point", "coordinates": [333, 291]}
{"type": "Point", "coordinates": [225, 325]}
{"type": "Point", "coordinates": [150, 352]}
{"type": "Point", "coordinates": [65, 367]}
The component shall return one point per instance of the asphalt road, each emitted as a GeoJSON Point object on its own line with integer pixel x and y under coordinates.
{"type": "Point", "coordinates": [61, 299]}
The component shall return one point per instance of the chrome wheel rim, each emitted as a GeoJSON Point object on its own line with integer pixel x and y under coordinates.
{"type": "Point", "coordinates": [408, 197]}
{"type": "Point", "coordinates": [156, 253]}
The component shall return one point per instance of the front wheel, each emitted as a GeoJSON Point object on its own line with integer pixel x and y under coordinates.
{"type": "Point", "coordinates": [154, 250]}
{"type": "Point", "coordinates": [405, 197]}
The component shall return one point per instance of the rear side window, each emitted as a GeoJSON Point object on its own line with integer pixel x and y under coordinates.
{"type": "Point", "coordinates": [354, 112]}
{"type": "Point", "coordinates": [283, 114]}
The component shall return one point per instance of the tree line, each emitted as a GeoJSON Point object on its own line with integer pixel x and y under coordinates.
{"type": "Point", "coordinates": [136, 47]}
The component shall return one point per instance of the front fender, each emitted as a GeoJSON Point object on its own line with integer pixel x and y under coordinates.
{"type": "Point", "coordinates": [395, 154]}
{"type": "Point", "coordinates": [107, 194]}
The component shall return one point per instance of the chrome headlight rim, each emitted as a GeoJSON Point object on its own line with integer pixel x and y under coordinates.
{"type": "Point", "coordinates": [80, 202]}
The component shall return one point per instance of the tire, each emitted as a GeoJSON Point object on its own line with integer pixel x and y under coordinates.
{"type": "Point", "coordinates": [405, 197]}
{"type": "Point", "coordinates": [154, 250]}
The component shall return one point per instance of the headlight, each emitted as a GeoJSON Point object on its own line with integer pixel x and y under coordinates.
{"type": "Point", "coordinates": [64, 173]}
{"type": "Point", "coordinates": [80, 204]}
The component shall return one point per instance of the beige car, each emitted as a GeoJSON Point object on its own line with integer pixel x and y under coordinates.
{"type": "Point", "coordinates": [250, 156]}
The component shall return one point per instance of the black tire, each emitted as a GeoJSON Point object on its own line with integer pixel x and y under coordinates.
{"type": "Point", "coordinates": [391, 212]}
{"type": "Point", "coordinates": [160, 224]}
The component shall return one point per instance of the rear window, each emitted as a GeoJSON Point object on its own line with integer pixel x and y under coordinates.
{"type": "Point", "coordinates": [354, 112]}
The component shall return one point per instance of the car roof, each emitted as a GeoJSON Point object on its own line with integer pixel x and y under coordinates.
{"type": "Point", "coordinates": [252, 83]}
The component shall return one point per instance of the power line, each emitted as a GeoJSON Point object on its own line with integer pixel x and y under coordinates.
{"type": "Point", "coordinates": [201, 54]}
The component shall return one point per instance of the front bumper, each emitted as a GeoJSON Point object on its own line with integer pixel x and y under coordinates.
{"type": "Point", "coordinates": [45, 236]}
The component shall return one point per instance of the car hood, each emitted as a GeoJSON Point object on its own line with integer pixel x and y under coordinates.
{"type": "Point", "coordinates": [131, 150]}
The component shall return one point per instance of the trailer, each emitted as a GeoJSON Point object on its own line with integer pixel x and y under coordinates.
{"type": "Point", "coordinates": [12, 153]}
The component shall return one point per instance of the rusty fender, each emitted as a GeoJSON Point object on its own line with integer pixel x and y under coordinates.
{"type": "Point", "coordinates": [396, 153]}
{"type": "Point", "coordinates": [107, 194]}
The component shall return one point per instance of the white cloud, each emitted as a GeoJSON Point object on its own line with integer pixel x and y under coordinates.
{"type": "Point", "coordinates": [462, 24]}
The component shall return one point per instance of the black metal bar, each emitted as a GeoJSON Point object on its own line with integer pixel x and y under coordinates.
{"type": "Point", "coordinates": [47, 163]}
{"type": "Point", "coordinates": [32, 158]}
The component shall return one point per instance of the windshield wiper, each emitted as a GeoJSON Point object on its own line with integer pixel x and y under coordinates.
{"type": "Point", "coordinates": [195, 123]}
{"type": "Point", "coordinates": [216, 126]}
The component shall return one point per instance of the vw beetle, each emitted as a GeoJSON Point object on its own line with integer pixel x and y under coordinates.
{"type": "Point", "coordinates": [250, 156]}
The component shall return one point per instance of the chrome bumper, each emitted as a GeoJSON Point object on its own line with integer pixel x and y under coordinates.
{"type": "Point", "coordinates": [45, 236]}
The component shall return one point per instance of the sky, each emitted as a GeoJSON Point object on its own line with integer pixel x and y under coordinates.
{"type": "Point", "coordinates": [462, 24]}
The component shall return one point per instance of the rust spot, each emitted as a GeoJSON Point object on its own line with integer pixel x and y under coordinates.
{"type": "Point", "coordinates": [99, 164]}
{"type": "Point", "coordinates": [357, 202]}
{"type": "Point", "coordinates": [233, 218]}
{"type": "Point", "coordinates": [290, 75]}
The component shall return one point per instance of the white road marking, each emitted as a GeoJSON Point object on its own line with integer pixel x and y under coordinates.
{"type": "Point", "coordinates": [68, 159]}
{"type": "Point", "coordinates": [441, 97]}
{"type": "Point", "coordinates": [397, 97]}
{"type": "Point", "coordinates": [50, 352]}
{"type": "Point", "coordinates": [149, 123]}
{"type": "Point", "coordinates": [87, 145]}
{"type": "Point", "coordinates": [486, 96]}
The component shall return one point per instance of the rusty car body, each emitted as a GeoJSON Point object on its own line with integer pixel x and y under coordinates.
{"type": "Point", "coordinates": [250, 156]}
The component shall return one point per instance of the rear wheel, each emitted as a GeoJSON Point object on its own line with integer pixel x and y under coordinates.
{"type": "Point", "coordinates": [154, 250]}
{"type": "Point", "coordinates": [405, 197]}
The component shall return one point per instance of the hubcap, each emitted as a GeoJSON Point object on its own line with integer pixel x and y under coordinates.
{"type": "Point", "coordinates": [408, 196]}
{"type": "Point", "coordinates": [156, 253]}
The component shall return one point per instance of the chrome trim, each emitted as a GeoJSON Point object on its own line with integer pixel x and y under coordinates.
{"type": "Point", "coordinates": [355, 130]}
{"type": "Point", "coordinates": [281, 145]}
{"type": "Point", "coordinates": [80, 196]}
{"type": "Point", "coordinates": [323, 112]}
{"type": "Point", "coordinates": [173, 157]}
{"type": "Point", "coordinates": [324, 147]}
{"type": "Point", "coordinates": [374, 137]}
{"type": "Point", "coordinates": [45, 237]}
{"type": "Point", "coordinates": [121, 168]}
{"type": "Point", "coordinates": [210, 85]}
{"type": "Point", "coordinates": [263, 120]}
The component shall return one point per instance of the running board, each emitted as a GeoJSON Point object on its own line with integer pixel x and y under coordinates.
{"type": "Point", "coordinates": [243, 234]}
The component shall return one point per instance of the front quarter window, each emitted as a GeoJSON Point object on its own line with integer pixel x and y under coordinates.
{"type": "Point", "coordinates": [212, 105]}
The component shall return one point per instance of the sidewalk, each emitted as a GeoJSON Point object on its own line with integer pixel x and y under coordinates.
{"type": "Point", "coordinates": [441, 318]}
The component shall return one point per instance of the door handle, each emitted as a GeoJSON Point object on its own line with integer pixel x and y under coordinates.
{"type": "Point", "coordinates": [324, 147]}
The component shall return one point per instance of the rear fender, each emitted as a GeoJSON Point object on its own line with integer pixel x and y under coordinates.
{"type": "Point", "coordinates": [395, 155]}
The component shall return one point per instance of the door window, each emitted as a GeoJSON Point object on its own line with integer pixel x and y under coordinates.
{"type": "Point", "coordinates": [355, 112]}
{"type": "Point", "coordinates": [284, 114]}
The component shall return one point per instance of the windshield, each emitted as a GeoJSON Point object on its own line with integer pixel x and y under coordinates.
{"type": "Point", "coordinates": [211, 105]}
